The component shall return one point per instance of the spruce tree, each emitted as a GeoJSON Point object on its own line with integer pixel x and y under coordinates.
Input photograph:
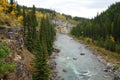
{"type": "Point", "coordinates": [11, 6]}
{"type": "Point", "coordinates": [42, 71]}
{"type": "Point", "coordinates": [18, 10]}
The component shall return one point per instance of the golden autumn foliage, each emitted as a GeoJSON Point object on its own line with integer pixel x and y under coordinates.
{"type": "Point", "coordinates": [8, 14]}
{"type": "Point", "coordinates": [1, 8]}
{"type": "Point", "coordinates": [6, 17]}
{"type": "Point", "coordinates": [12, 13]}
{"type": "Point", "coordinates": [4, 5]}
{"type": "Point", "coordinates": [60, 16]}
{"type": "Point", "coordinates": [20, 19]}
{"type": "Point", "coordinates": [39, 14]}
{"type": "Point", "coordinates": [14, 5]}
{"type": "Point", "coordinates": [112, 39]}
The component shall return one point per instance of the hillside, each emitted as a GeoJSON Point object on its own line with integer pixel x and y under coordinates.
{"type": "Point", "coordinates": [9, 16]}
{"type": "Point", "coordinates": [15, 59]}
{"type": "Point", "coordinates": [27, 49]}
{"type": "Point", "coordinates": [103, 31]}
{"type": "Point", "coordinates": [26, 40]}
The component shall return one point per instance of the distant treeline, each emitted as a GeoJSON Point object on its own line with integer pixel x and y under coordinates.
{"type": "Point", "coordinates": [103, 30]}
{"type": "Point", "coordinates": [43, 10]}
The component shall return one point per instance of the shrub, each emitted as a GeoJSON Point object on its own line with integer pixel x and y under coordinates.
{"type": "Point", "coordinates": [117, 48]}
{"type": "Point", "coordinates": [4, 67]}
{"type": "Point", "coordinates": [4, 50]}
{"type": "Point", "coordinates": [109, 44]}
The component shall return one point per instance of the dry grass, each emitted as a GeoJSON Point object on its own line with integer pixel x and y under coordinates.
{"type": "Point", "coordinates": [28, 59]}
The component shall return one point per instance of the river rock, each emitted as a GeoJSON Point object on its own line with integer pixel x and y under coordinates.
{"type": "Point", "coordinates": [106, 70]}
{"type": "Point", "coordinates": [116, 78]}
{"type": "Point", "coordinates": [56, 50]}
{"type": "Point", "coordinates": [52, 64]}
{"type": "Point", "coordinates": [64, 70]}
{"type": "Point", "coordinates": [82, 53]}
{"type": "Point", "coordinates": [117, 74]}
{"type": "Point", "coordinates": [84, 72]}
{"type": "Point", "coordinates": [53, 57]}
{"type": "Point", "coordinates": [74, 58]}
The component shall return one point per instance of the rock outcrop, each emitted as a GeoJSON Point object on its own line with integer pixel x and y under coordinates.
{"type": "Point", "coordinates": [18, 55]}
{"type": "Point", "coordinates": [62, 26]}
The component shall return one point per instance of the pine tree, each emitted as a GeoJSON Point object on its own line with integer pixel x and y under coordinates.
{"type": "Point", "coordinates": [42, 71]}
{"type": "Point", "coordinates": [18, 10]}
{"type": "Point", "coordinates": [101, 28]}
{"type": "Point", "coordinates": [24, 21]}
{"type": "Point", "coordinates": [11, 6]}
{"type": "Point", "coordinates": [39, 43]}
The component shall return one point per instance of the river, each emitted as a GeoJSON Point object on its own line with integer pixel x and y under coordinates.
{"type": "Point", "coordinates": [77, 62]}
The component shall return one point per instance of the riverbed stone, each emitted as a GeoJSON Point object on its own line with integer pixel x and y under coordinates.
{"type": "Point", "coordinates": [74, 58]}
{"type": "Point", "coordinates": [56, 50]}
{"type": "Point", "coordinates": [105, 70]}
{"type": "Point", "coordinates": [64, 70]}
{"type": "Point", "coordinates": [82, 53]}
{"type": "Point", "coordinates": [117, 74]}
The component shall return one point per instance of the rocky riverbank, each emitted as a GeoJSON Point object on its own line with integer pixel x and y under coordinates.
{"type": "Point", "coordinates": [53, 64]}
{"type": "Point", "coordinates": [110, 71]}
{"type": "Point", "coordinates": [110, 68]}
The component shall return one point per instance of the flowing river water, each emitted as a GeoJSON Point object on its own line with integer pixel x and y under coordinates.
{"type": "Point", "coordinates": [72, 65]}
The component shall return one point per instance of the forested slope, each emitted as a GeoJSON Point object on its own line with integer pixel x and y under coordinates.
{"type": "Point", "coordinates": [28, 35]}
{"type": "Point", "coordinates": [103, 30]}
